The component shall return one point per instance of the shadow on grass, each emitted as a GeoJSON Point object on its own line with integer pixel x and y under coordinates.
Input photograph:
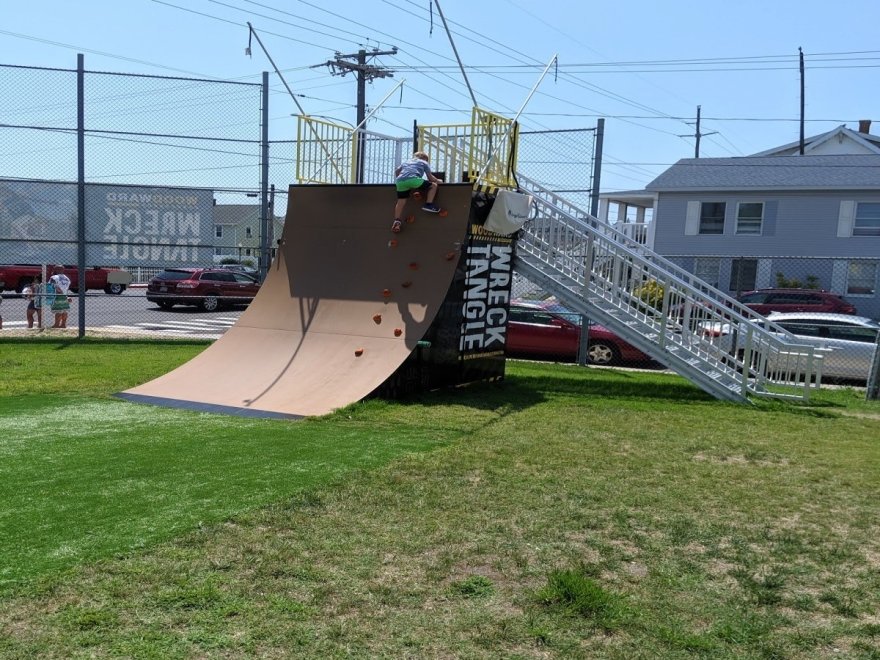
{"type": "Point", "coordinates": [520, 391]}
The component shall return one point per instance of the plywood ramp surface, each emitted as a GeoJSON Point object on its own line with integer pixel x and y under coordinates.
{"type": "Point", "coordinates": [341, 308]}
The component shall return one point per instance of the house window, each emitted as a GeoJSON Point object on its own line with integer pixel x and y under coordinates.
{"type": "Point", "coordinates": [861, 278]}
{"type": "Point", "coordinates": [749, 217]}
{"type": "Point", "coordinates": [867, 220]}
{"type": "Point", "coordinates": [218, 231]}
{"type": "Point", "coordinates": [247, 232]}
{"type": "Point", "coordinates": [743, 274]}
{"type": "Point", "coordinates": [218, 251]}
{"type": "Point", "coordinates": [712, 217]}
{"type": "Point", "coordinates": [708, 269]}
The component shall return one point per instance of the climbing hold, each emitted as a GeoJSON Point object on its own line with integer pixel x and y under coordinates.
{"type": "Point", "coordinates": [413, 266]}
{"type": "Point", "coordinates": [450, 256]}
{"type": "Point", "coordinates": [392, 243]}
{"type": "Point", "coordinates": [410, 219]}
{"type": "Point", "coordinates": [386, 293]}
{"type": "Point", "coordinates": [406, 284]}
{"type": "Point", "coordinates": [358, 352]}
{"type": "Point", "coordinates": [443, 213]}
{"type": "Point", "coordinates": [377, 318]}
{"type": "Point", "coordinates": [397, 332]}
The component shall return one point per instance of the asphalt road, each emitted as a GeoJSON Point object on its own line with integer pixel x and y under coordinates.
{"type": "Point", "coordinates": [128, 314]}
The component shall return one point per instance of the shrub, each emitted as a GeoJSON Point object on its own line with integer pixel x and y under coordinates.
{"type": "Point", "coordinates": [651, 293]}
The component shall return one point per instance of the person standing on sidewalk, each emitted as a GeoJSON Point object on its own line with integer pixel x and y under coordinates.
{"type": "Point", "coordinates": [60, 283]}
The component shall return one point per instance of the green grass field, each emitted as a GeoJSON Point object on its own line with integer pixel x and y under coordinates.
{"type": "Point", "coordinates": [563, 513]}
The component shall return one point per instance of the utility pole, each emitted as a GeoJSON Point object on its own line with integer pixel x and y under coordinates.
{"type": "Point", "coordinates": [342, 65]}
{"type": "Point", "coordinates": [697, 134]}
{"type": "Point", "coordinates": [801, 58]}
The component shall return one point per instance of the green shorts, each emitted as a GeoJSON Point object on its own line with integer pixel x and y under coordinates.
{"type": "Point", "coordinates": [405, 185]}
{"type": "Point", "coordinates": [60, 304]}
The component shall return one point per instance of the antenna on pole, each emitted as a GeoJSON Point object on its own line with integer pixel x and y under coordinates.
{"type": "Point", "coordinates": [455, 50]}
{"type": "Point", "coordinates": [253, 33]}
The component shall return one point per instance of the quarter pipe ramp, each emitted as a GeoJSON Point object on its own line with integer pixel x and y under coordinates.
{"type": "Point", "coordinates": [344, 304]}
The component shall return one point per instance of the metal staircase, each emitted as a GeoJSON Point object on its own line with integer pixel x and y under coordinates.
{"type": "Point", "coordinates": [680, 321]}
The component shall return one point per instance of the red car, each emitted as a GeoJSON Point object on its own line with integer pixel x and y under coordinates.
{"type": "Point", "coordinates": [764, 301]}
{"type": "Point", "coordinates": [208, 288]}
{"type": "Point", "coordinates": [533, 331]}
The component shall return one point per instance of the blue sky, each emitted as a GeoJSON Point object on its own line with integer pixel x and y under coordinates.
{"type": "Point", "coordinates": [643, 65]}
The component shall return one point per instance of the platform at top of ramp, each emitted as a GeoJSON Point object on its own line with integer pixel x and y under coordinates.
{"type": "Point", "coordinates": [341, 308]}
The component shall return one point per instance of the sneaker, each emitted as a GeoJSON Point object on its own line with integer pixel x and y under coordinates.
{"type": "Point", "coordinates": [431, 208]}
{"type": "Point", "coordinates": [396, 226]}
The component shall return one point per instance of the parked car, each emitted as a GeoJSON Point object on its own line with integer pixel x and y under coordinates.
{"type": "Point", "coordinates": [208, 288]}
{"type": "Point", "coordinates": [239, 268]}
{"type": "Point", "coordinates": [765, 301]}
{"type": "Point", "coordinates": [848, 341]}
{"type": "Point", "coordinates": [536, 332]}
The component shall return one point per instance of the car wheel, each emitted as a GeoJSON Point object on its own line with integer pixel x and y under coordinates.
{"type": "Point", "coordinates": [211, 303]}
{"type": "Point", "coordinates": [114, 289]}
{"type": "Point", "coordinates": [602, 353]}
{"type": "Point", "coordinates": [165, 305]}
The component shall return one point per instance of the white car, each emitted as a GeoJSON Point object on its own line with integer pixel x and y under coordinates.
{"type": "Point", "coordinates": [847, 342]}
{"type": "Point", "coordinates": [850, 341]}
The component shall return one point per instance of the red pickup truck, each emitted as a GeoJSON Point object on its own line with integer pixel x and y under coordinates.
{"type": "Point", "coordinates": [111, 280]}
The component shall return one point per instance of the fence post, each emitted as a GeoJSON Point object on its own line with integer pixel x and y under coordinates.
{"type": "Point", "coordinates": [264, 184]}
{"type": "Point", "coordinates": [81, 193]}
{"type": "Point", "coordinates": [873, 393]}
{"type": "Point", "coordinates": [597, 166]}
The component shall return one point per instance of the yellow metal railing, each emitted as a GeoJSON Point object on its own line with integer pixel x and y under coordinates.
{"type": "Point", "coordinates": [324, 151]}
{"type": "Point", "coordinates": [495, 137]}
{"type": "Point", "coordinates": [448, 147]}
{"type": "Point", "coordinates": [463, 151]}
{"type": "Point", "coordinates": [483, 152]}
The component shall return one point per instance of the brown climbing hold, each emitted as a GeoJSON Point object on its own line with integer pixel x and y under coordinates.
{"type": "Point", "coordinates": [358, 352]}
{"type": "Point", "coordinates": [392, 243]}
{"type": "Point", "coordinates": [377, 318]}
{"type": "Point", "coordinates": [397, 332]}
{"type": "Point", "coordinates": [413, 266]}
{"type": "Point", "coordinates": [410, 219]}
{"type": "Point", "coordinates": [450, 256]}
{"type": "Point", "coordinates": [406, 284]}
{"type": "Point", "coordinates": [386, 293]}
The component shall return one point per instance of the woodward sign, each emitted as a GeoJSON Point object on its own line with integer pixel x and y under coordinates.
{"type": "Point", "coordinates": [125, 226]}
{"type": "Point", "coordinates": [151, 226]}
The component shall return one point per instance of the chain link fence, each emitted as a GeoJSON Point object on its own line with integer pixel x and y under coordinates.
{"type": "Point", "coordinates": [561, 161]}
{"type": "Point", "coordinates": [151, 172]}
{"type": "Point", "coordinates": [159, 174]}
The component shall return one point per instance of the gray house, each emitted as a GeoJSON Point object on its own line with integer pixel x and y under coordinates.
{"type": "Point", "coordinates": [774, 219]}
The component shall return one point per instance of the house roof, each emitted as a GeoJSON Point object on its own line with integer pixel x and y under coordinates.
{"type": "Point", "coordinates": [842, 172]}
{"type": "Point", "coordinates": [863, 142]}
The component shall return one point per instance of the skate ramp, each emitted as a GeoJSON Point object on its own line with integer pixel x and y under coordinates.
{"type": "Point", "coordinates": [341, 308]}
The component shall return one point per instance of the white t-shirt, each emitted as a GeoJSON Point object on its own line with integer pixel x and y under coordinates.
{"type": "Point", "coordinates": [61, 281]}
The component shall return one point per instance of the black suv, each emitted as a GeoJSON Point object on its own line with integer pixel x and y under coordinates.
{"type": "Point", "coordinates": [208, 288]}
